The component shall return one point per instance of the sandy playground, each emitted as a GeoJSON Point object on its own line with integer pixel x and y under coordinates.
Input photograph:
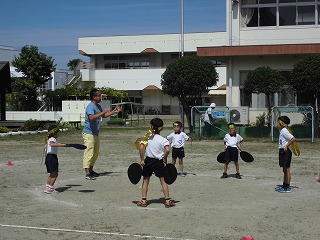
{"type": "Point", "coordinates": [207, 207]}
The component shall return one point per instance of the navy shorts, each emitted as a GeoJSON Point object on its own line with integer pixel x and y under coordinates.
{"type": "Point", "coordinates": [152, 165]}
{"type": "Point", "coordinates": [52, 163]}
{"type": "Point", "coordinates": [178, 153]}
{"type": "Point", "coordinates": [231, 154]}
{"type": "Point", "coordinates": [285, 158]}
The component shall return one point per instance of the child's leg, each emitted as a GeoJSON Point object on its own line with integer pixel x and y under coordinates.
{"type": "Point", "coordinates": [145, 186]}
{"type": "Point", "coordinates": [286, 176]}
{"type": "Point", "coordinates": [52, 178]}
{"type": "Point", "coordinates": [225, 167]}
{"type": "Point", "coordinates": [237, 166]}
{"type": "Point", "coordinates": [174, 161]}
{"type": "Point", "coordinates": [168, 203]}
{"type": "Point", "coordinates": [165, 188]}
{"type": "Point", "coordinates": [181, 165]}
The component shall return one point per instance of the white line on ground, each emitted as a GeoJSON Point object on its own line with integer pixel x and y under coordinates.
{"type": "Point", "coordinates": [91, 232]}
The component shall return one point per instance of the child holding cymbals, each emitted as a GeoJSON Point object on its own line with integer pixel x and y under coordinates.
{"type": "Point", "coordinates": [153, 158]}
{"type": "Point", "coordinates": [232, 142]}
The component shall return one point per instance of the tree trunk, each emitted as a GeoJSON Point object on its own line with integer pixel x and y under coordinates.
{"type": "Point", "coordinates": [187, 111]}
{"type": "Point", "coordinates": [269, 110]}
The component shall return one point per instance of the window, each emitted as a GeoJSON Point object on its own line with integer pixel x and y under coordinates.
{"type": "Point", "coordinates": [319, 14]}
{"type": "Point", "coordinates": [287, 16]}
{"type": "Point", "coordinates": [267, 16]}
{"type": "Point", "coordinates": [126, 61]}
{"type": "Point", "coordinates": [264, 13]}
{"type": "Point", "coordinates": [245, 97]}
{"type": "Point", "coordinates": [306, 15]}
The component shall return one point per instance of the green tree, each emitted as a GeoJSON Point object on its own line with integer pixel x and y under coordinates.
{"type": "Point", "coordinates": [187, 78]}
{"type": "Point", "coordinates": [264, 80]}
{"type": "Point", "coordinates": [305, 80]}
{"type": "Point", "coordinates": [72, 64]}
{"type": "Point", "coordinates": [36, 68]}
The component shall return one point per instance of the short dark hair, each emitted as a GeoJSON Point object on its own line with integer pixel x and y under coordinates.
{"type": "Point", "coordinates": [178, 123]}
{"type": "Point", "coordinates": [156, 124]}
{"type": "Point", "coordinates": [53, 130]}
{"type": "Point", "coordinates": [93, 93]}
{"type": "Point", "coordinates": [284, 119]}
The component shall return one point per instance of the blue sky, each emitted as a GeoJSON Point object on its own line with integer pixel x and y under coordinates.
{"type": "Point", "coordinates": [55, 26]}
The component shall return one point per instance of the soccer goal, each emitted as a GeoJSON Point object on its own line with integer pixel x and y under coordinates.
{"type": "Point", "coordinates": [201, 129]}
{"type": "Point", "coordinates": [301, 121]}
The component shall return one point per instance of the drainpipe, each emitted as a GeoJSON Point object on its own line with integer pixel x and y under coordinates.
{"type": "Point", "coordinates": [230, 44]}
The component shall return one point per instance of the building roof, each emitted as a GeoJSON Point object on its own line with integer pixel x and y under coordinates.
{"type": "Point", "coordinates": [254, 50]}
{"type": "Point", "coordinates": [151, 87]}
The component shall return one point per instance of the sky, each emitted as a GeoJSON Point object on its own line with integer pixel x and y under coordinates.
{"type": "Point", "coordinates": [54, 26]}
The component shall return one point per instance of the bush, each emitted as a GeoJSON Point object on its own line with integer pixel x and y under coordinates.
{"type": "Point", "coordinates": [258, 132]}
{"type": "Point", "coordinates": [4, 129]}
{"type": "Point", "coordinates": [261, 120]}
{"type": "Point", "coordinates": [30, 125]}
{"type": "Point", "coordinates": [62, 124]}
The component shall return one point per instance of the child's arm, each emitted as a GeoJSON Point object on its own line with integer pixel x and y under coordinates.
{"type": "Point", "coordinates": [141, 153]}
{"type": "Point", "coordinates": [239, 145]}
{"type": "Point", "coordinates": [292, 140]}
{"type": "Point", "coordinates": [166, 153]}
{"type": "Point", "coordinates": [53, 144]}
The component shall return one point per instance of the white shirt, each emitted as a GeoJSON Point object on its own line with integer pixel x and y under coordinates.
{"type": "Point", "coordinates": [52, 150]}
{"type": "Point", "coordinates": [155, 147]}
{"type": "Point", "coordinates": [177, 139]}
{"type": "Point", "coordinates": [232, 141]}
{"type": "Point", "coordinates": [207, 114]}
{"type": "Point", "coordinates": [284, 137]}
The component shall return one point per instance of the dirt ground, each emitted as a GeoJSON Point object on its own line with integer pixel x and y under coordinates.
{"type": "Point", "coordinates": [207, 207]}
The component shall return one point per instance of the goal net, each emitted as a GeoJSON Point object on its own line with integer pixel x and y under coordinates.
{"type": "Point", "coordinates": [215, 128]}
{"type": "Point", "coordinates": [301, 121]}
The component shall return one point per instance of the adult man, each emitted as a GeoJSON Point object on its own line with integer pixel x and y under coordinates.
{"type": "Point", "coordinates": [208, 119]}
{"type": "Point", "coordinates": [90, 132]}
{"type": "Point", "coordinates": [208, 114]}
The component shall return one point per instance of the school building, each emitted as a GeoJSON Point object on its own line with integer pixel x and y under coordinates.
{"type": "Point", "coordinates": [274, 33]}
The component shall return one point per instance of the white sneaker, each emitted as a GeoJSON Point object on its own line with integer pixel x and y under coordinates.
{"type": "Point", "coordinates": [284, 190]}
{"type": "Point", "coordinates": [48, 190]}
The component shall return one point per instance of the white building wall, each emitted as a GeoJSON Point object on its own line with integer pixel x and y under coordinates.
{"type": "Point", "coordinates": [162, 43]}
{"type": "Point", "coordinates": [283, 35]}
{"type": "Point", "coordinates": [271, 35]}
{"type": "Point", "coordinates": [133, 79]}
{"type": "Point", "coordinates": [128, 79]}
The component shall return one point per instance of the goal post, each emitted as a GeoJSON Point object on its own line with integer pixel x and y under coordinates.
{"type": "Point", "coordinates": [301, 121]}
{"type": "Point", "coordinates": [219, 113]}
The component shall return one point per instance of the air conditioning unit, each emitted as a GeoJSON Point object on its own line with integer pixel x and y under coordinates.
{"type": "Point", "coordinates": [239, 115]}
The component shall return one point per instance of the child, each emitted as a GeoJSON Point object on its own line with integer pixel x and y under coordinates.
{"type": "Point", "coordinates": [153, 158]}
{"type": "Point", "coordinates": [177, 139]}
{"type": "Point", "coordinates": [51, 161]}
{"type": "Point", "coordinates": [285, 140]}
{"type": "Point", "coordinates": [232, 142]}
